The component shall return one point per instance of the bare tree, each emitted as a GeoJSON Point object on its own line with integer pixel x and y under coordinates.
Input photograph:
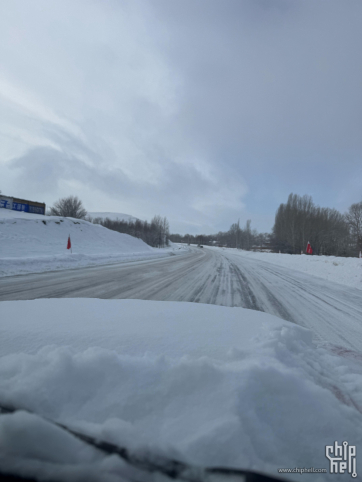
{"type": "Point", "coordinates": [165, 231]}
{"type": "Point", "coordinates": [234, 234]}
{"type": "Point", "coordinates": [156, 233]}
{"type": "Point", "coordinates": [160, 231]}
{"type": "Point", "coordinates": [299, 221]}
{"type": "Point", "coordinates": [354, 220]}
{"type": "Point", "coordinates": [248, 233]}
{"type": "Point", "coordinates": [70, 207]}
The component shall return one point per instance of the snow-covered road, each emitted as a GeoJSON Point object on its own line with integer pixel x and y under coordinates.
{"type": "Point", "coordinates": [214, 276]}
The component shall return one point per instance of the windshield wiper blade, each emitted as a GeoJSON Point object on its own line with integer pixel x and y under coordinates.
{"type": "Point", "coordinates": [173, 469]}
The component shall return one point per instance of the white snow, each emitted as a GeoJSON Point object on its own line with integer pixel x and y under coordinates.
{"type": "Point", "coordinates": [347, 271]}
{"type": "Point", "coordinates": [112, 216]}
{"type": "Point", "coordinates": [206, 384]}
{"type": "Point", "coordinates": [31, 243]}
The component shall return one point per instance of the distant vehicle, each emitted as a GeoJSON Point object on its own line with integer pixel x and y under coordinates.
{"type": "Point", "coordinates": [200, 246]}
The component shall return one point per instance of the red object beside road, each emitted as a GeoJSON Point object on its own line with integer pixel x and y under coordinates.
{"type": "Point", "coordinates": [309, 248]}
{"type": "Point", "coordinates": [69, 245]}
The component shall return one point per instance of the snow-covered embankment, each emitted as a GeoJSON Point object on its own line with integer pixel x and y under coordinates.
{"type": "Point", "coordinates": [31, 243]}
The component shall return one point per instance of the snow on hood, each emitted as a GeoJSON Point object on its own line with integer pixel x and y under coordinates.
{"type": "Point", "coordinates": [206, 384]}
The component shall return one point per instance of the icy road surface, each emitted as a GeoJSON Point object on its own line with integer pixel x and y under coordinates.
{"type": "Point", "coordinates": [214, 276]}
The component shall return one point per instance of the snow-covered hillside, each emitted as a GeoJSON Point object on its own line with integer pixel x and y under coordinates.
{"type": "Point", "coordinates": [206, 384]}
{"type": "Point", "coordinates": [347, 271]}
{"type": "Point", "coordinates": [36, 243]}
{"type": "Point", "coordinates": [112, 216]}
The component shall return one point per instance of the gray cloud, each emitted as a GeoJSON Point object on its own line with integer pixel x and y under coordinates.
{"type": "Point", "coordinates": [203, 111]}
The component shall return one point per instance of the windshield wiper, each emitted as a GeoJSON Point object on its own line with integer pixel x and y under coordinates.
{"type": "Point", "coordinates": [173, 469]}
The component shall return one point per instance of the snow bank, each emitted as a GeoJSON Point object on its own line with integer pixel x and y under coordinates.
{"type": "Point", "coordinates": [206, 384]}
{"type": "Point", "coordinates": [31, 243]}
{"type": "Point", "coordinates": [347, 271]}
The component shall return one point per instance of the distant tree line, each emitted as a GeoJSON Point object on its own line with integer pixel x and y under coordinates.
{"type": "Point", "coordinates": [235, 237]}
{"type": "Point", "coordinates": [299, 220]}
{"type": "Point", "coordinates": [155, 233]}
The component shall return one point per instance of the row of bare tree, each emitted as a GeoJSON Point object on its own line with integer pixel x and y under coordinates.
{"type": "Point", "coordinates": [299, 220]}
{"type": "Point", "coordinates": [156, 233]}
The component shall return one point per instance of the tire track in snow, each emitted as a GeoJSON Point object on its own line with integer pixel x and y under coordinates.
{"type": "Point", "coordinates": [333, 312]}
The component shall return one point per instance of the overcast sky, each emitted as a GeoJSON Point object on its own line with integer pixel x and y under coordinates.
{"type": "Point", "coordinates": [204, 111]}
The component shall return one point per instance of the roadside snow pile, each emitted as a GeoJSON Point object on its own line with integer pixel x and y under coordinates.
{"type": "Point", "coordinates": [205, 384]}
{"type": "Point", "coordinates": [347, 271]}
{"type": "Point", "coordinates": [31, 243]}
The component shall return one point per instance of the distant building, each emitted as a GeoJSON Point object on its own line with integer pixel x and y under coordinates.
{"type": "Point", "coordinates": [21, 205]}
{"type": "Point", "coordinates": [267, 249]}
